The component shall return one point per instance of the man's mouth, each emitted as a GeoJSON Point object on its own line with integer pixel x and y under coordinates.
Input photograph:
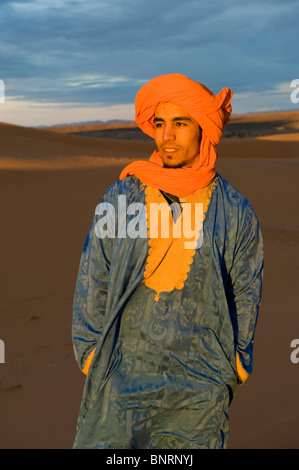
{"type": "Point", "coordinates": [170, 149]}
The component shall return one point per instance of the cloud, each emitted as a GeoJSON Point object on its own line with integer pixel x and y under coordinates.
{"type": "Point", "coordinates": [98, 53]}
{"type": "Point", "coordinates": [278, 98]}
{"type": "Point", "coordinates": [47, 114]}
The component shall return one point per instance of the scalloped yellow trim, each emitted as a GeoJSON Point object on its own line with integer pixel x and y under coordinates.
{"type": "Point", "coordinates": [169, 259]}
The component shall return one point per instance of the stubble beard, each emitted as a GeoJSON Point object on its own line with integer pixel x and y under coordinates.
{"type": "Point", "coordinates": [168, 163]}
{"type": "Point", "coordinates": [174, 165]}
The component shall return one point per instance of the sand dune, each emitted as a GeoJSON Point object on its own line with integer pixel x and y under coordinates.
{"type": "Point", "coordinates": [73, 147]}
{"type": "Point", "coordinates": [46, 216]}
{"type": "Point", "coordinates": [36, 147]}
{"type": "Point", "coordinates": [245, 125]}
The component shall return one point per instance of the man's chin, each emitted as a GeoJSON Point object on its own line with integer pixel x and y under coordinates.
{"type": "Point", "coordinates": [169, 163]}
{"type": "Point", "coordinates": [173, 165]}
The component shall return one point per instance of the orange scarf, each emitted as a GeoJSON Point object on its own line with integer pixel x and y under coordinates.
{"type": "Point", "coordinates": [212, 112]}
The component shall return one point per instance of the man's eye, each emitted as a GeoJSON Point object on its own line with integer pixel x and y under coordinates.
{"type": "Point", "coordinates": [158, 124]}
{"type": "Point", "coordinates": [180, 124]}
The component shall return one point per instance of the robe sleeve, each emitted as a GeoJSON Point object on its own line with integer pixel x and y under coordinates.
{"type": "Point", "coordinates": [246, 278]}
{"type": "Point", "coordinates": [89, 304]}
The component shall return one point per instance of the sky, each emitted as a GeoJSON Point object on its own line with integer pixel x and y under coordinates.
{"type": "Point", "coordinates": [67, 61]}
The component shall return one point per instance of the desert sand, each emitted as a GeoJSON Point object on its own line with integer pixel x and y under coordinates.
{"type": "Point", "coordinates": [51, 181]}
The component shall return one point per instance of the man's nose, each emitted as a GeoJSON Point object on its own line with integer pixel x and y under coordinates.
{"type": "Point", "coordinates": [169, 132]}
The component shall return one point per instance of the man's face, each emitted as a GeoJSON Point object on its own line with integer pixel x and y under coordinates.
{"type": "Point", "coordinates": [177, 136]}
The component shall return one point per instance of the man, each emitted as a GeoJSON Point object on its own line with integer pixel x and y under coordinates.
{"type": "Point", "coordinates": [163, 323]}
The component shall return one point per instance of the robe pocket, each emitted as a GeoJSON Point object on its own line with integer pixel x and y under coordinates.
{"type": "Point", "coordinates": [114, 362]}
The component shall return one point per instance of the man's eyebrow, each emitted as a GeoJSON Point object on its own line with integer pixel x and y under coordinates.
{"type": "Point", "coordinates": [181, 118]}
{"type": "Point", "coordinates": [178, 118]}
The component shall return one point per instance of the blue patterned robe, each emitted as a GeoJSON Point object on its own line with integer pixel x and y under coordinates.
{"type": "Point", "coordinates": [161, 371]}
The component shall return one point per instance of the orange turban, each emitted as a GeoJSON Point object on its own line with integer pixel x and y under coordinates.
{"type": "Point", "coordinates": [212, 112]}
